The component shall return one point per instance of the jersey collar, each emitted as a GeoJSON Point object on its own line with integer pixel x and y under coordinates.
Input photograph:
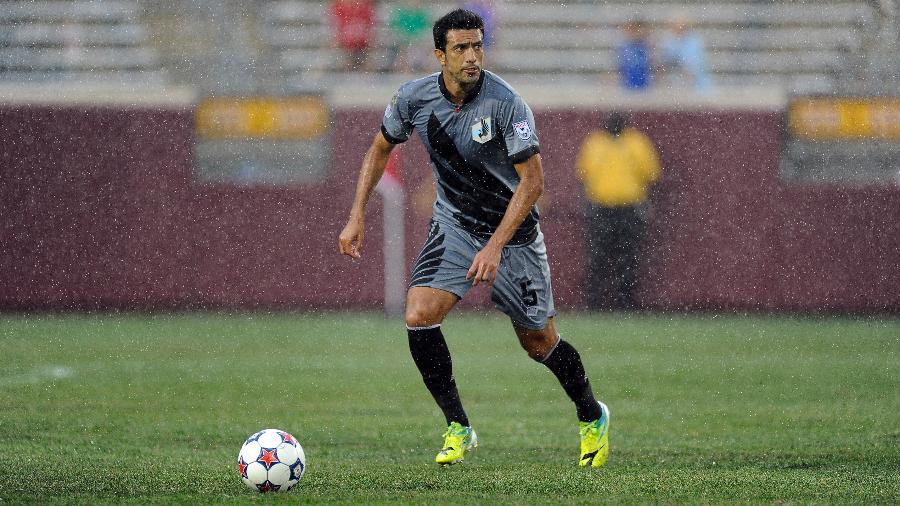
{"type": "Point", "coordinates": [470, 96]}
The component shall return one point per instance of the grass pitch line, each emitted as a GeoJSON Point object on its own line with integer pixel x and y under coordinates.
{"type": "Point", "coordinates": [38, 375]}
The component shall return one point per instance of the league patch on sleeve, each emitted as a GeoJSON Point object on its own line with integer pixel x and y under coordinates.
{"type": "Point", "coordinates": [389, 110]}
{"type": "Point", "coordinates": [522, 130]}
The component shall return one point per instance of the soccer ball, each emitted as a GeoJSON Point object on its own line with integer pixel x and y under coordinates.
{"type": "Point", "coordinates": [271, 461]}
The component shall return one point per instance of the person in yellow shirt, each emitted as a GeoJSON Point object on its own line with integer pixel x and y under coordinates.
{"type": "Point", "coordinates": [617, 166]}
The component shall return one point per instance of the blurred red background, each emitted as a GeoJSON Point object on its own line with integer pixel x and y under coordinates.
{"type": "Point", "coordinates": [99, 209]}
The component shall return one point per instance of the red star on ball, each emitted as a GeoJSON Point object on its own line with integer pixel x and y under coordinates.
{"type": "Point", "coordinates": [268, 458]}
{"type": "Point", "coordinates": [242, 468]}
{"type": "Point", "coordinates": [266, 487]}
{"type": "Point", "coordinates": [287, 437]}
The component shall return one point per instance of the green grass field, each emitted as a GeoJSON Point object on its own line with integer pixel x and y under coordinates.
{"type": "Point", "coordinates": [153, 409]}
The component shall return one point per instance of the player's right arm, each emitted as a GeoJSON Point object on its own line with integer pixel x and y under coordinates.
{"type": "Point", "coordinates": [351, 239]}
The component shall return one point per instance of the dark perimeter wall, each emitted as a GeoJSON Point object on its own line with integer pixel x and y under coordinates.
{"type": "Point", "coordinates": [99, 209]}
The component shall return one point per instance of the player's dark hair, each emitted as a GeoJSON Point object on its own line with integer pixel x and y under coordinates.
{"type": "Point", "coordinates": [616, 123]}
{"type": "Point", "coordinates": [460, 19]}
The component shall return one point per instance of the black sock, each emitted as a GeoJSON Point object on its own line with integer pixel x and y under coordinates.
{"type": "Point", "coordinates": [430, 353]}
{"type": "Point", "coordinates": [565, 363]}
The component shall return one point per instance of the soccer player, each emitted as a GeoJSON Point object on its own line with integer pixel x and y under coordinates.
{"type": "Point", "coordinates": [485, 158]}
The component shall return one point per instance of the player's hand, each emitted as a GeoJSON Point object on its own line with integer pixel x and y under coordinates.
{"type": "Point", "coordinates": [484, 266]}
{"type": "Point", "coordinates": [351, 239]}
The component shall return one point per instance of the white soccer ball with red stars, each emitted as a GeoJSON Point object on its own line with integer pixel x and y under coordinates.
{"type": "Point", "coordinates": [271, 461]}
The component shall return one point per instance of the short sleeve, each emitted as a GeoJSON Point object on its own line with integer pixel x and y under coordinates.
{"type": "Point", "coordinates": [396, 125]}
{"type": "Point", "coordinates": [519, 132]}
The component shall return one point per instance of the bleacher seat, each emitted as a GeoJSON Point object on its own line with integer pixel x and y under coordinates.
{"type": "Point", "coordinates": [76, 40]}
{"type": "Point", "coordinates": [536, 13]}
{"type": "Point", "coordinates": [773, 42]}
{"type": "Point", "coordinates": [751, 42]}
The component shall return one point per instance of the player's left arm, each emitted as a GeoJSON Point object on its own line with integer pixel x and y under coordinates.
{"type": "Point", "coordinates": [531, 186]}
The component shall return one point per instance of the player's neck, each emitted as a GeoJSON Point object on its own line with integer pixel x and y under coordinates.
{"type": "Point", "coordinates": [458, 91]}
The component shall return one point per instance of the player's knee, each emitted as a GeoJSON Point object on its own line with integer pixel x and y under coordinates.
{"type": "Point", "coordinates": [538, 346]}
{"type": "Point", "coordinates": [419, 316]}
{"type": "Point", "coordinates": [536, 354]}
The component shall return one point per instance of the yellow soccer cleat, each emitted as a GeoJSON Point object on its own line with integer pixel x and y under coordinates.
{"type": "Point", "coordinates": [595, 440]}
{"type": "Point", "coordinates": [457, 441]}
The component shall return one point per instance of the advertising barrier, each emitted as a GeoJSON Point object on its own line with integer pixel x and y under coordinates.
{"type": "Point", "coordinates": [100, 207]}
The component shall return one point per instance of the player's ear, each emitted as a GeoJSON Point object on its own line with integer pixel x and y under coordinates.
{"type": "Point", "coordinates": [441, 57]}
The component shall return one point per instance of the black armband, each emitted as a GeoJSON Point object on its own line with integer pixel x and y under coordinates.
{"type": "Point", "coordinates": [390, 138]}
{"type": "Point", "coordinates": [525, 154]}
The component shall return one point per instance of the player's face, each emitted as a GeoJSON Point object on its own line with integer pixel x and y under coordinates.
{"type": "Point", "coordinates": [462, 59]}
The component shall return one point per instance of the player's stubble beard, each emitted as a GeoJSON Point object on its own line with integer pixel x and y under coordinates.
{"type": "Point", "coordinates": [468, 73]}
{"type": "Point", "coordinates": [465, 81]}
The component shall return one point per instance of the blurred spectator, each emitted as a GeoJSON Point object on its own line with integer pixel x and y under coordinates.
{"type": "Point", "coordinates": [410, 24]}
{"type": "Point", "coordinates": [353, 25]}
{"type": "Point", "coordinates": [617, 166]}
{"type": "Point", "coordinates": [683, 57]}
{"type": "Point", "coordinates": [633, 57]}
{"type": "Point", "coordinates": [487, 10]}
{"type": "Point", "coordinates": [73, 35]}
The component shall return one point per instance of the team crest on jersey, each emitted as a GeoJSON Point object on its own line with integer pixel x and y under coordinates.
{"type": "Point", "coordinates": [522, 130]}
{"type": "Point", "coordinates": [482, 131]}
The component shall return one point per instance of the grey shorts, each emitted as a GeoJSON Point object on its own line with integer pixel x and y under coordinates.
{"type": "Point", "coordinates": [522, 288]}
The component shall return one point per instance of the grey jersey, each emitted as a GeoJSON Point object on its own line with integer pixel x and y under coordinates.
{"type": "Point", "coordinates": [473, 148]}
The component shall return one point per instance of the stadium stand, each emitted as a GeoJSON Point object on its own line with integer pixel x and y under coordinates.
{"type": "Point", "coordinates": [76, 41]}
{"type": "Point", "coordinates": [809, 46]}
{"type": "Point", "coordinates": [212, 46]}
{"type": "Point", "coordinates": [791, 44]}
